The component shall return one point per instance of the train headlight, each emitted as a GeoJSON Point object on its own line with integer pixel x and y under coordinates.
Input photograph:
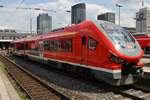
{"type": "Point", "coordinates": [117, 46]}
{"type": "Point", "coordinates": [115, 59]}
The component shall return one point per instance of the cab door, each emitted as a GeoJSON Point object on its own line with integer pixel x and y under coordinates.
{"type": "Point", "coordinates": [84, 50]}
{"type": "Point", "coordinates": [93, 52]}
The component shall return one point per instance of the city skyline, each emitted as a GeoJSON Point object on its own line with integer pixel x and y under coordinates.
{"type": "Point", "coordinates": [20, 19]}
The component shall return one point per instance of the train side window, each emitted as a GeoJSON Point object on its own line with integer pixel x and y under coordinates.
{"type": "Point", "coordinates": [92, 44]}
{"type": "Point", "coordinates": [58, 45]}
{"type": "Point", "coordinates": [26, 46]}
{"type": "Point", "coordinates": [46, 45]}
{"type": "Point", "coordinates": [51, 45]}
{"type": "Point", "coordinates": [21, 46]}
{"type": "Point", "coordinates": [68, 45]}
{"type": "Point", "coordinates": [83, 40]}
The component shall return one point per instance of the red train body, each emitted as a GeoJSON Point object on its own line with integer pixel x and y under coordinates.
{"type": "Point", "coordinates": [87, 47]}
{"type": "Point", "coordinates": [144, 41]}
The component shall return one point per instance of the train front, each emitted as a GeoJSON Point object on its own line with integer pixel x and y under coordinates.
{"type": "Point", "coordinates": [124, 50]}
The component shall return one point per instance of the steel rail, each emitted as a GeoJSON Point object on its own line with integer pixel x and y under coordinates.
{"type": "Point", "coordinates": [35, 87]}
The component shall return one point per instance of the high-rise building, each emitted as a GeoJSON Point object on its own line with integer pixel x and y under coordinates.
{"type": "Point", "coordinates": [109, 16]}
{"type": "Point", "coordinates": [143, 20]}
{"type": "Point", "coordinates": [44, 23]}
{"type": "Point", "coordinates": [78, 13]}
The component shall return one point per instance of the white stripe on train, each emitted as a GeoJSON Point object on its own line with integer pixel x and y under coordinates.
{"type": "Point", "coordinates": [85, 66]}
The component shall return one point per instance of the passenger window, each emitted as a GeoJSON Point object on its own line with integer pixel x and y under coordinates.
{"type": "Point", "coordinates": [46, 45]}
{"type": "Point", "coordinates": [25, 46]}
{"type": "Point", "coordinates": [59, 45]}
{"type": "Point", "coordinates": [83, 40]}
{"type": "Point", "coordinates": [92, 44]}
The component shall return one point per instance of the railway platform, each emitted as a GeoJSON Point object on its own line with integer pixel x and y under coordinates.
{"type": "Point", "coordinates": [147, 55]}
{"type": "Point", "coordinates": [7, 91]}
{"type": "Point", "coordinates": [146, 68]}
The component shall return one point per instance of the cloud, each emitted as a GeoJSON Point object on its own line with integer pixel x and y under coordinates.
{"type": "Point", "coordinates": [127, 1]}
{"type": "Point", "coordinates": [20, 19]}
{"type": "Point", "coordinates": [94, 9]}
{"type": "Point", "coordinates": [133, 4]}
{"type": "Point", "coordinates": [129, 9]}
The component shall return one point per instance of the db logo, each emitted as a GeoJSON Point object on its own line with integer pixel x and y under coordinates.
{"type": "Point", "coordinates": [129, 46]}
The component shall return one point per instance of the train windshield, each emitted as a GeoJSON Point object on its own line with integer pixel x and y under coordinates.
{"type": "Point", "coordinates": [117, 34]}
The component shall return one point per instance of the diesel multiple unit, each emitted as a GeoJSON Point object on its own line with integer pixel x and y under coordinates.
{"type": "Point", "coordinates": [101, 49]}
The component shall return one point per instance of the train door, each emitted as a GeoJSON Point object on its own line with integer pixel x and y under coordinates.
{"type": "Point", "coordinates": [84, 50]}
{"type": "Point", "coordinates": [93, 52]}
{"type": "Point", "coordinates": [40, 49]}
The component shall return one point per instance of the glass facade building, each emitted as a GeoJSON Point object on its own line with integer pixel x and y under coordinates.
{"type": "Point", "coordinates": [78, 13]}
{"type": "Point", "coordinates": [44, 23]}
{"type": "Point", "coordinates": [107, 17]}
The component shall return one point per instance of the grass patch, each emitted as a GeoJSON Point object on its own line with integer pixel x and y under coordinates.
{"type": "Point", "coordinates": [2, 66]}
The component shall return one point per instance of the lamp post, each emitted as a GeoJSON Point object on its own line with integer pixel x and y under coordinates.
{"type": "Point", "coordinates": [119, 6]}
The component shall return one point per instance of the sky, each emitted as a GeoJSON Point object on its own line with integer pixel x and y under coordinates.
{"type": "Point", "coordinates": [19, 19]}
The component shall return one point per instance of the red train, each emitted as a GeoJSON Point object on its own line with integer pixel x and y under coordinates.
{"type": "Point", "coordinates": [144, 41]}
{"type": "Point", "coordinates": [101, 49]}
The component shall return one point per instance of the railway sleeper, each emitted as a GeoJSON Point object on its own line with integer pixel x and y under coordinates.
{"type": "Point", "coordinates": [33, 86]}
{"type": "Point", "coordinates": [31, 82]}
{"type": "Point", "coordinates": [43, 93]}
{"type": "Point", "coordinates": [47, 98]}
{"type": "Point", "coordinates": [29, 87]}
{"type": "Point", "coordinates": [39, 89]}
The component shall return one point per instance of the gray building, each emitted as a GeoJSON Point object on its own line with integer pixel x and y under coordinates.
{"type": "Point", "coordinates": [143, 20]}
{"type": "Point", "coordinates": [8, 35]}
{"type": "Point", "coordinates": [44, 23]}
{"type": "Point", "coordinates": [109, 16]}
{"type": "Point", "coordinates": [78, 13]}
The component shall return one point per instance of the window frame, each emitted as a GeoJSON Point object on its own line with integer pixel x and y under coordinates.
{"type": "Point", "coordinates": [90, 38]}
{"type": "Point", "coordinates": [56, 45]}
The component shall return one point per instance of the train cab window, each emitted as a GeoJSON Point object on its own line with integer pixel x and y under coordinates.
{"type": "Point", "coordinates": [92, 44]}
{"type": "Point", "coordinates": [83, 40]}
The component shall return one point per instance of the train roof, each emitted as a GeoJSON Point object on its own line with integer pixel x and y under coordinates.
{"type": "Point", "coordinates": [65, 31]}
{"type": "Point", "coordinates": [142, 34]}
{"type": "Point", "coordinates": [69, 30]}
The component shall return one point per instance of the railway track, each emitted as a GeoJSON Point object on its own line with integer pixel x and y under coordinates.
{"type": "Point", "coordinates": [35, 88]}
{"type": "Point", "coordinates": [136, 93]}
{"type": "Point", "coordinates": [133, 93]}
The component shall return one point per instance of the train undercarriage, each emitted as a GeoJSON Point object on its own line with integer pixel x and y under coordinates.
{"type": "Point", "coordinates": [126, 77]}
